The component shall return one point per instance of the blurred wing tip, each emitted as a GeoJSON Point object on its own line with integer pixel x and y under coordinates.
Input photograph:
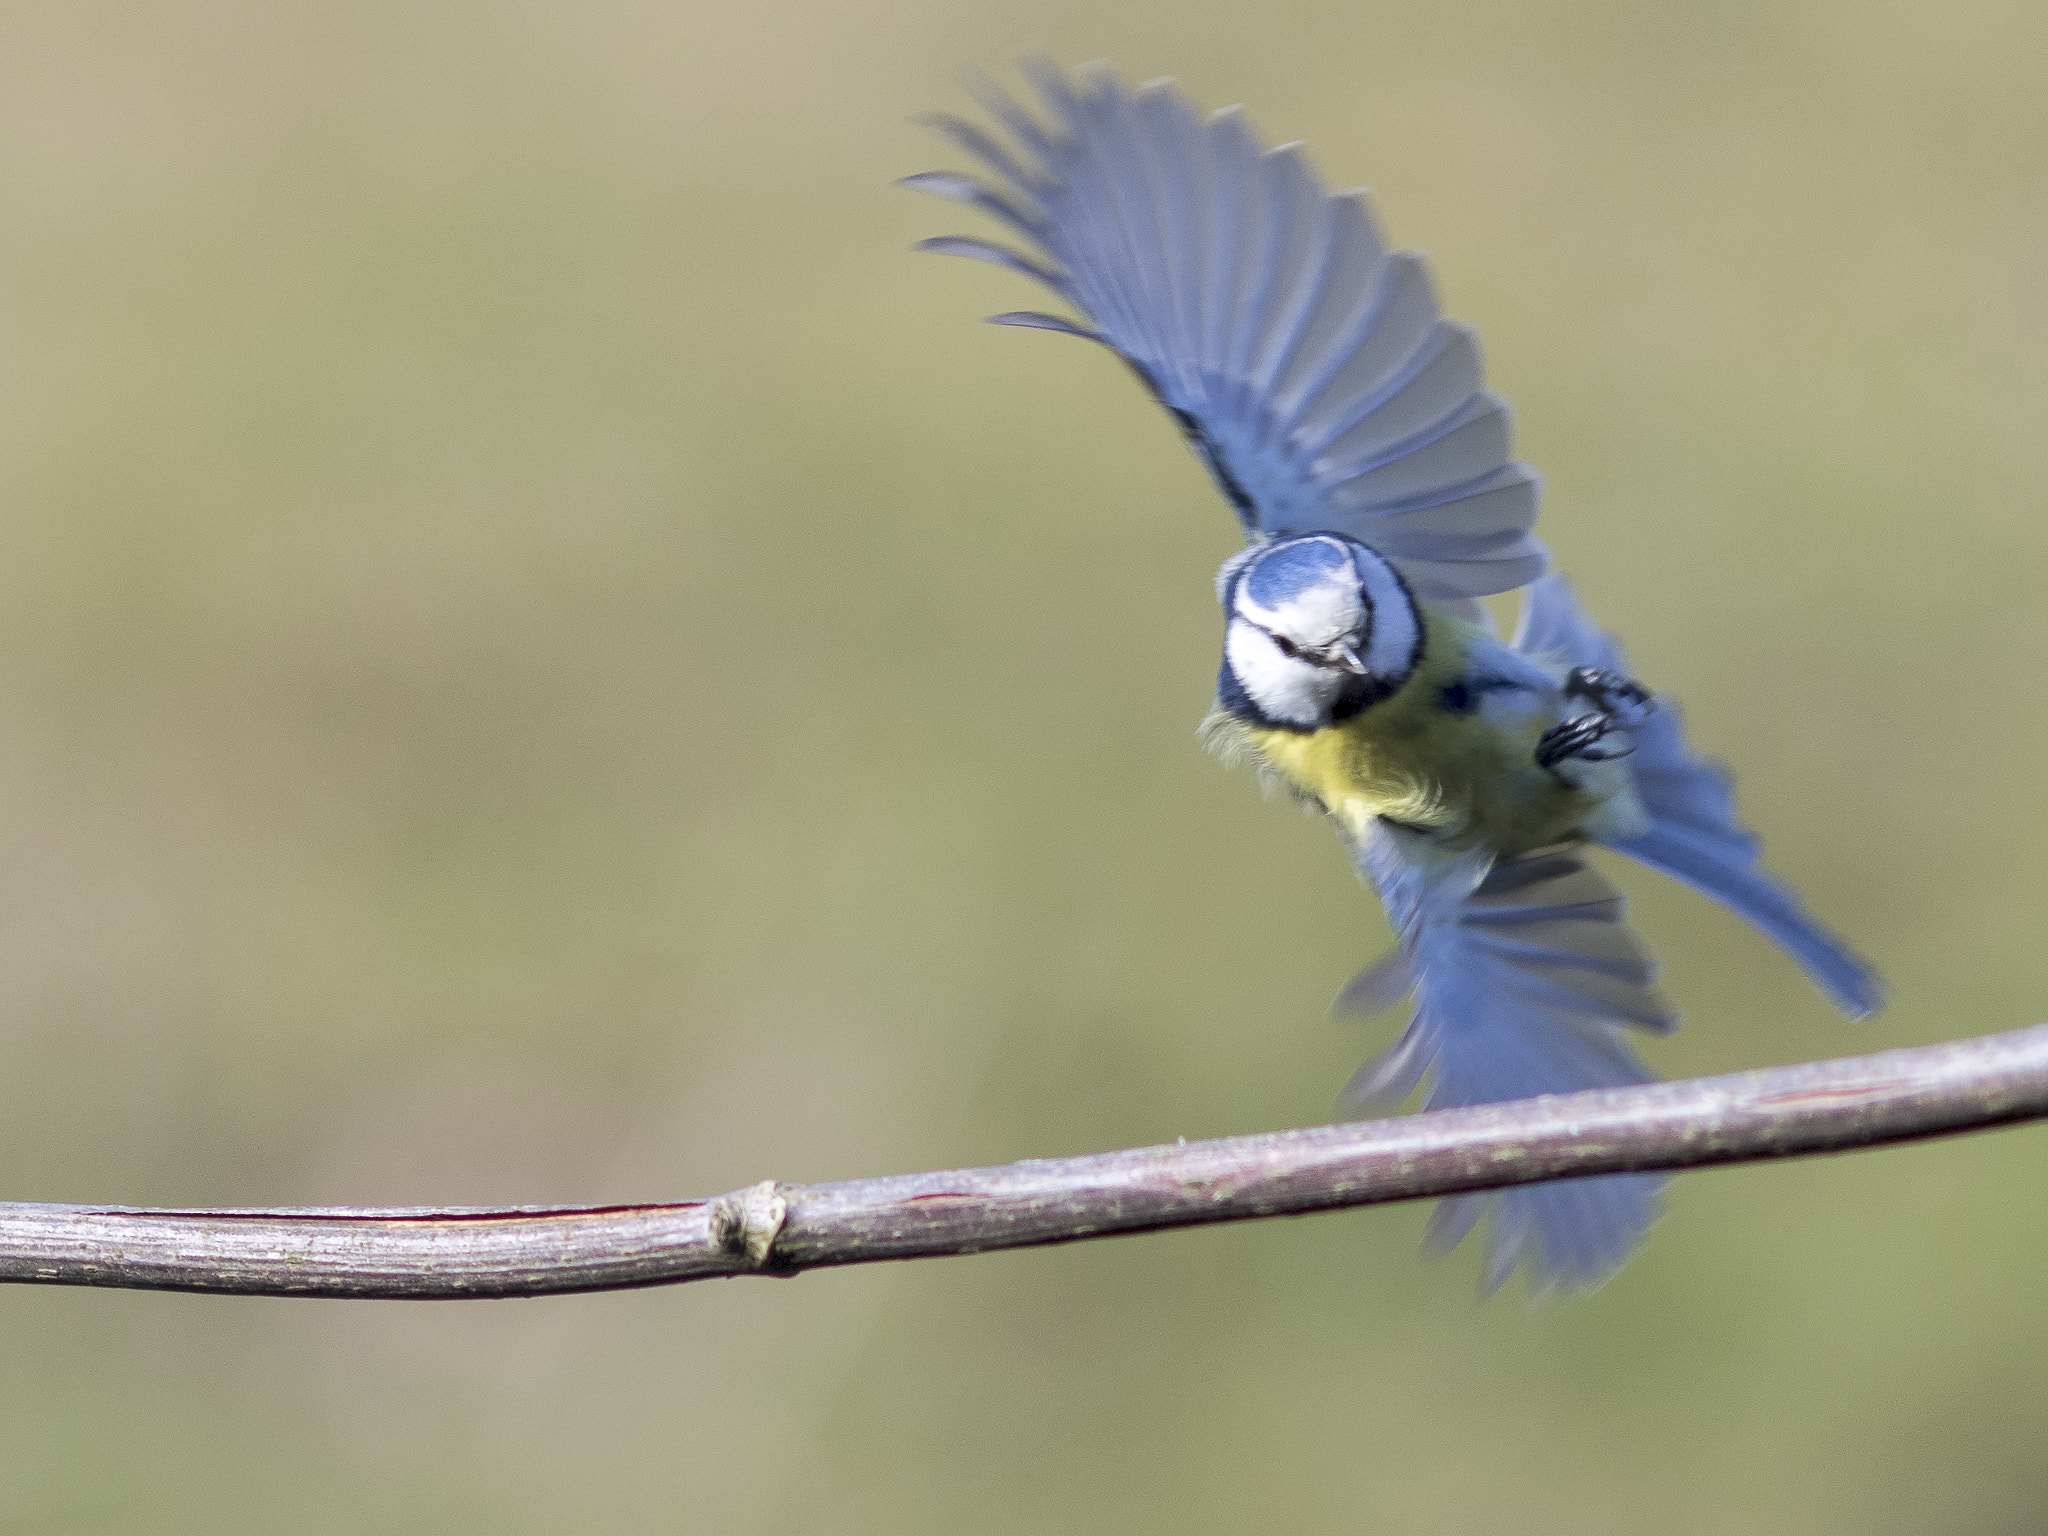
{"type": "Point", "coordinates": [984, 89]}
{"type": "Point", "coordinates": [1867, 1001]}
{"type": "Point", "coordinates": [1381, 1085]}
{"type": "Point", "coordinates": [1296, 152]}
{"type": "Point", "coordinates": [955, 186]}
{"type": "Point", "coordinates": [1384, 984]}
{"type": "Point", "coordinates": [1034, 320]}
{"type": "Point", "coordinates": [994, 255]}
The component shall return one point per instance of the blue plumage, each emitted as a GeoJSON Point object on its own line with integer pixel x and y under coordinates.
{"type": "Point", "coordinates": [1347, 422]}
{"type": "Point", "coordinates": [1526, 977]}
{"type": "Point", "coordinates": [1291, 571]}
{"type": "Point", "coordinates": [1310, 364]}
{"type": "Point", "coordinates": [1693, 834]}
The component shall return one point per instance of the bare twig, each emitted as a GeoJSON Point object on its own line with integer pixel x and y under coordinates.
{"type": "Point", "coordinates": [1827, 1106]}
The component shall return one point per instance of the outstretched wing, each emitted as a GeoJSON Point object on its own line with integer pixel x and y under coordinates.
{"type": "Point", "coordinates": [1308, 365]}
{"type": "Point", "coordinates": [1526, 981]}
{"type": "Point", "coordinates": [1694, 834]}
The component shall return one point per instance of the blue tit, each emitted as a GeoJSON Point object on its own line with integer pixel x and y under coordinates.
{"type": "Point", "coordinates": [1347, 423]}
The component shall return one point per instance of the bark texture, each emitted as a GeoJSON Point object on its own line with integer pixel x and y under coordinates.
{"type": "Point", "coordinates": [780, 1229]}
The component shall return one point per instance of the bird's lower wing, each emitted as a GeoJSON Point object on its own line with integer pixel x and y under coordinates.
{"type": "Point", "coordinates": [1526, 980]}
{"type": "Point", "coordinates": [1693, 834]}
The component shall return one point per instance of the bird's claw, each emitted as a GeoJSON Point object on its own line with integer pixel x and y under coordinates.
{"type": "Point", "coordinates": [1627, 700]}
{"type": "Point", "coordinates": [1578, 737]}
{"type": "Point", "coordinates": [1619, 704]}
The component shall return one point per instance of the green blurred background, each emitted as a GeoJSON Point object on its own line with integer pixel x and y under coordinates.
{"type": "Point", "coordinates": [544, 656]}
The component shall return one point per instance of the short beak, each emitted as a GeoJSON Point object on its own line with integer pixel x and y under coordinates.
{"type": "Point", "coordinates": [1347, 658]}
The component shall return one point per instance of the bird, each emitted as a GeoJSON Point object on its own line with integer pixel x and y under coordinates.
{"type": "Point", "coordinates": [1346, 422]}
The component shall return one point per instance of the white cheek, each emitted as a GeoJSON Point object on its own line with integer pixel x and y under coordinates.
{"type": "Point", "coordinates": [1285, 688]}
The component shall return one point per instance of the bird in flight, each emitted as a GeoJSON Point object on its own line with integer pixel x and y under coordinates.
{"type": "Point", "coordinates": [1347, 423]}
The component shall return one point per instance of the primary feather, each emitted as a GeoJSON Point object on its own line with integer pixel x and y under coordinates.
{"type": "Point", "coordinates": [1308, 364]}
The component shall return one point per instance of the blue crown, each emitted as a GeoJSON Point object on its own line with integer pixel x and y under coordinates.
{"type": "Point", "coordinates": [1290, 567]}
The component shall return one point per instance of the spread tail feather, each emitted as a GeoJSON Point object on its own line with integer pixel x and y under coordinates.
{"type": "Point", "coordinates": [1526, 983]}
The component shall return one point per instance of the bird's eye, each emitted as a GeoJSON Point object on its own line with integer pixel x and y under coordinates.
{"type": "Point", "coordinates": [1288, 647]}
{"type": "Point", "coordinates": [1343, 658]}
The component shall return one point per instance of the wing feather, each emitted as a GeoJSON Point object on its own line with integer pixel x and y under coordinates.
{"type": "Point", "coordinates": [1694, 834]}
{"type": "Point", "coordinates": [995, 255]}
{"type": "Point", "coordinates": [1311, 366]}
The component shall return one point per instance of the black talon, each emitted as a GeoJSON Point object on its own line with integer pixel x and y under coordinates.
{"type": "Point", "coordinates": [1576, 737]}
{"type": "Point", "coordinates": [1611, 694]}
{"type": "Point", "coordinates": [1619, 704]}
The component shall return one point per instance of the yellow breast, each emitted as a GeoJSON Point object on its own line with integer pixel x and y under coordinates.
{"type": "Point", "coordinates": [1468, 774]}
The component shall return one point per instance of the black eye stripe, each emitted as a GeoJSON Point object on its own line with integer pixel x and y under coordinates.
{"type": "Point", "coordinates": [1287, 647]}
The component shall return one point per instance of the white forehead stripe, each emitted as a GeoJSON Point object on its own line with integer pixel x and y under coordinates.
{"type": "Point", "coordinates": [1314, 616]}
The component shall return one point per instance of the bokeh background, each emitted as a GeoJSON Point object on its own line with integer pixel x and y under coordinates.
{"type": "Point", "coordinates": [544, 656]}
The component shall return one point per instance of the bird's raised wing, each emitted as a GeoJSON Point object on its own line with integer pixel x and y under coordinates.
{"type": "Point", "coordinates": [1307, 364]}
{"type": "Point", "coordinates": [1526, 980]}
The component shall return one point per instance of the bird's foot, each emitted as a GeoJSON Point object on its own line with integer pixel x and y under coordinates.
{"type": "Point", "coordinates": [1619, 704]}
{"type": "Point", "coordinates": [1627, 700]}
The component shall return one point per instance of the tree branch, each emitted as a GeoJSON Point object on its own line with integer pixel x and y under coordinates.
{"type": "Point", "coordinates": [1827, 1106]}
